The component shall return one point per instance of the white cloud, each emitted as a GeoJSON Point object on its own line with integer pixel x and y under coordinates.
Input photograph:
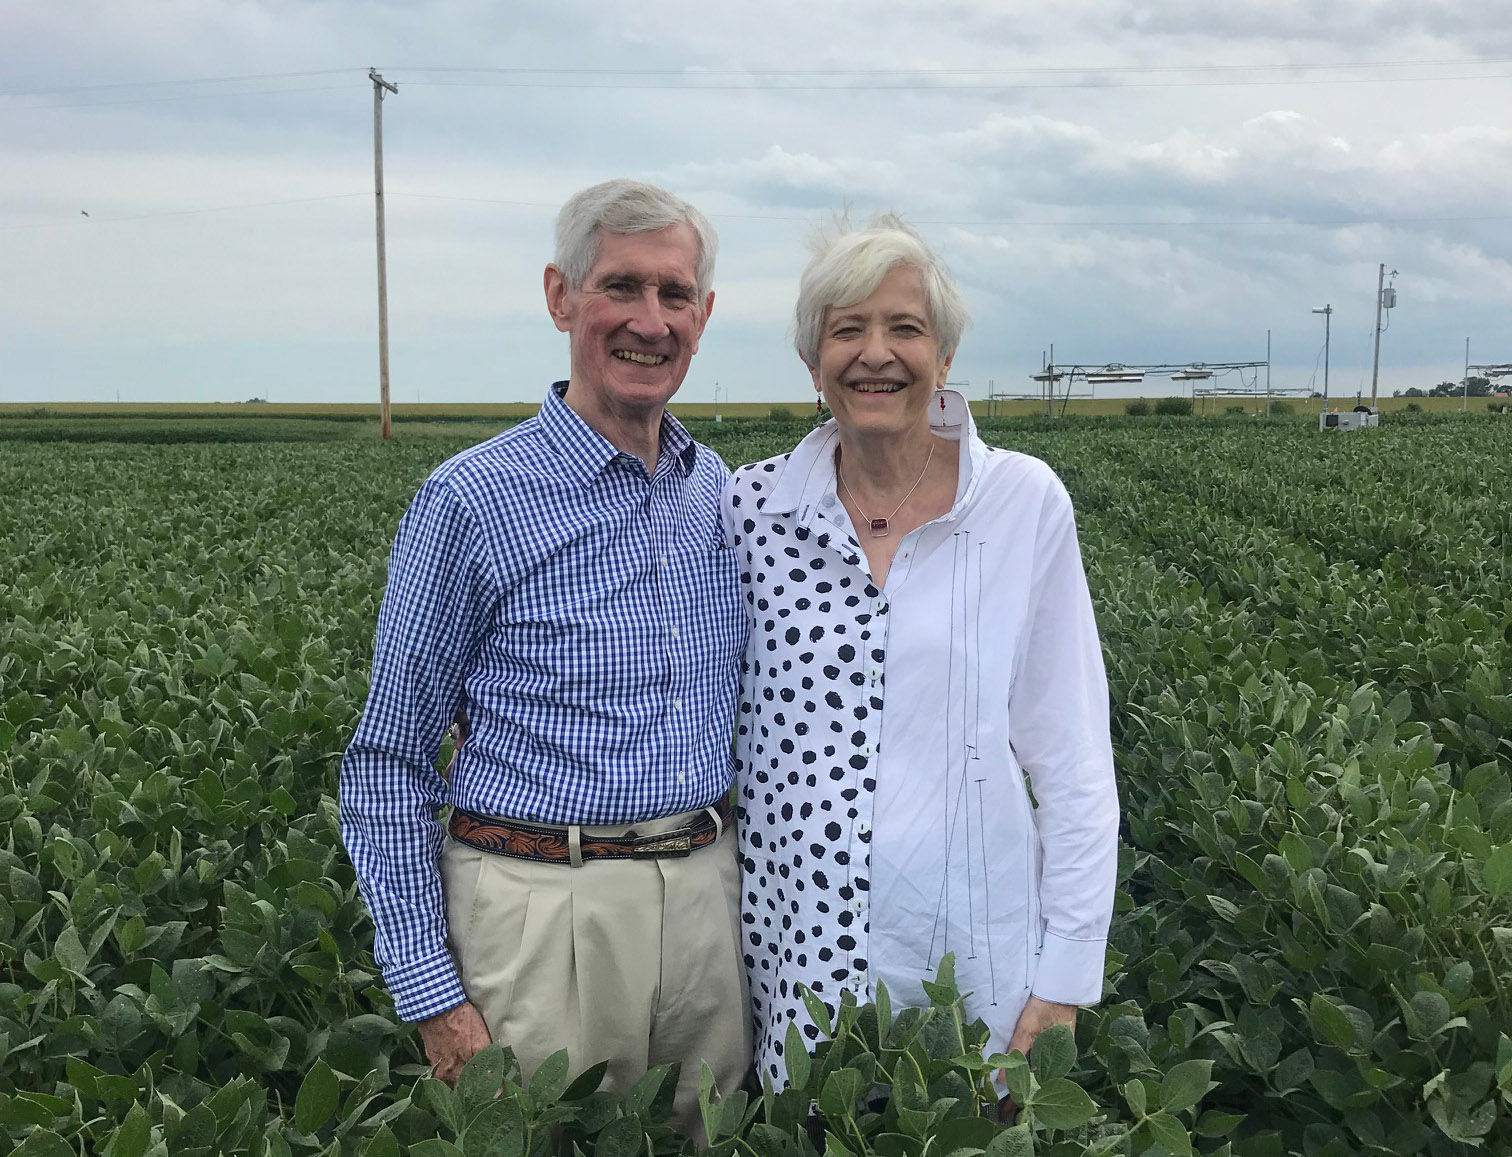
{"type": "Point", "coordinates": [1178, 204]}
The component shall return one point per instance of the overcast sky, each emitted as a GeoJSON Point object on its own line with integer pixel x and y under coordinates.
{"type": "Point", "coordinates": [1135, 181]}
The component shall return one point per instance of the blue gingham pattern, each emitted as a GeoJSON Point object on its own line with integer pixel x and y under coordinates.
{"type": "Point", "coordinates": [588, 618]}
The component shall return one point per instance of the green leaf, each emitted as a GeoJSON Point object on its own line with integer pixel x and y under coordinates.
{"type": "Point", "coordinates": [1498, 872]}
{"type": "Point", "coordinates": [1014, 1142]}
{"type": "Point", "coordinates": [1062, 1104]}
{"type": "Point", "coordinates": [1330, 1025]}
{"type": "Point", "coordinates": [818, 1012]}
{"type": "Point", "coordinates": [837, 1100]}
{"type": "Point", "coordinates": [434, 1147]}
{"type": "Point", "coordinates": [43, 1143]}
{"type": "Point", "coordinates": [438, 1097]}
{"type": "Point", "coordinates": [1134, 1094]}
{"type": "Point", "coordinates": [1168, 1131]}
{"type": "Point", "coordinates": [548, 1081]}
{"type": "Point", "coordinates": [482, 1077]}
{"type": "Point", "coordinates": [317, 1098]}
{"type": "Point", "coordinates": [68, 950]}
{"type": "Point", "coordinates": [498, 1130]}
{"type": "Point", "coordinates": [621, 1138]}
{"type": "Point", "coordinates": [588, 1081]}
{"type": "Point", "coordinates": [133, 1136]}
{"type": "Point", "coordinates": [1185, 1085]}
{"type": "Point", "coordinates": [796, 1055]}
{"type": "Point", "coordinates": [382, 1144]}
{"type": "Point", "coordinates": [1215, 1124]}
{"type": "Point", "coordinates": [1053, 1052]}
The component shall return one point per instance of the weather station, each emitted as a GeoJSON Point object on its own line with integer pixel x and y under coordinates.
{"type": "Point", "coordinates": [1362, 417]}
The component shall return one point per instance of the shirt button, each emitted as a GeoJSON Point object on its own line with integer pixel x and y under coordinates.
{"type": "Point", "coordinates": [875, 674]}
{"type": "Point", "coordinates": [682, 777]}
{"type": "Point", "coordinates": [675, 633]}
{"type": "Point", "coordinates": [868, 749]}
{"type": "Point", "coordinates": [677, 705]}
{"type": "Point", "coordinates": [862, 827]}
{"type": "Point", "coordinates": [880, 606]}
{"type": "Point", "coordinates": [858, 905]}
{"type": "Point", "coordinates": [663, 560]}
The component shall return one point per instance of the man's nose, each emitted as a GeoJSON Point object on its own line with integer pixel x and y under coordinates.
{"type": "Point", "coordinates": [649, 320]}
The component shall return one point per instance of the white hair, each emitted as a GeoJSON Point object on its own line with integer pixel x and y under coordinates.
{"type": "Point", "coordinates": [848, 265]}
{"type": "Point", "coordinates": [625, 206]}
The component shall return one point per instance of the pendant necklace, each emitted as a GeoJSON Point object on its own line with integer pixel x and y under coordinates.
{"type": "Point", "coordinates": [879, 525]}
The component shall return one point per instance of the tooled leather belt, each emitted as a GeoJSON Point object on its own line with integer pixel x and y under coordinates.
{"type": "Point", "coordinates": [551, 843]}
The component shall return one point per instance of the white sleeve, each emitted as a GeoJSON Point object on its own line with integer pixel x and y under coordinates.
{"type": "Point", "coordinates": [1058, 718]}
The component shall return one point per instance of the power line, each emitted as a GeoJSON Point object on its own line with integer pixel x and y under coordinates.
{"type": "Point", "coordinates": [183, 96]}
{"type": "Point", "coordinates": [1031, 222]}
{"type": "Point", "coordinates": [905, 87]}
{"type": "Point", "coordinates": [74, 222]}
{"type": "Point", "coordinates": [1037, 70]}
{"type": "Point", "coordinates": [1000, 222]}
{"type": "Point", "coordinates": [173, 83]}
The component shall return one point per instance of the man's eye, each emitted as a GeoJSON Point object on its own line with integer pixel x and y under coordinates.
{"type": "Point", "coordinates": [620, 288]}
{"type": "Point", "coordinates": [676, 298]}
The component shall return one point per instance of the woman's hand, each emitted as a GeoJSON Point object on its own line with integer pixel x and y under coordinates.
{"type": "Point", "coordinates": [1038, 1015]}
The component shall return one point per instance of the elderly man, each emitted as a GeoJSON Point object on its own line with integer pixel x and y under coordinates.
{"type": "Point", "coordinates": [566, 586]}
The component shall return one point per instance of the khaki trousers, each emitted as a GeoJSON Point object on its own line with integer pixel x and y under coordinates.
{"type": "Point", "coordinates": [636, 962]}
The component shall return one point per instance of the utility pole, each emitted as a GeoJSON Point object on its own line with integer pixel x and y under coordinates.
{"type": "Point", "coordinates": [1267, 374]}
{"type": "Point", "coordinates": [1327, 312]}
{"type": "Point", "coordinates": [1381, 303]}
{"type": "Point", "coordinates": [1465, 390]}
{"type": "Point", "coordinates": [385, 422]}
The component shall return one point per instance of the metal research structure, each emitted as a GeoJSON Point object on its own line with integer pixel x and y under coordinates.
{"type": "Point", "coordinates": [1487, 371]}
{"type": "Point", "coordinates": [1089, 377]}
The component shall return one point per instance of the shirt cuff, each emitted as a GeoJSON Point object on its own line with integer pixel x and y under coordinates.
{"type": "Point", "coordinates": [426, 988]}
{"type": "Point", "coordinates": [1070, 971]}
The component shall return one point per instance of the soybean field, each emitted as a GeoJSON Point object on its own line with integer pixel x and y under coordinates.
{"type": "Point", "coordinates": [1309, 643]}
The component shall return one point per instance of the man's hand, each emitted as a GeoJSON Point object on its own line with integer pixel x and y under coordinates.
{"type": "Point", "coordinates": [1038, 1015]}
{"type": "Point", "coordinates": [452, 1038]}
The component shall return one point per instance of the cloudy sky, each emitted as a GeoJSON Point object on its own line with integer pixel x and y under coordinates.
{"type": "Point", "coordinates": [186, 206]}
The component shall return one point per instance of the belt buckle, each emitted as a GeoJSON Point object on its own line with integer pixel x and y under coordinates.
{"type": "Point", "coordinates": [674, 844]}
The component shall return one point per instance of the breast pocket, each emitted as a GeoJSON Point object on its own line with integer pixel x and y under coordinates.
{"type": "Point", "coordinates": [712, 592]}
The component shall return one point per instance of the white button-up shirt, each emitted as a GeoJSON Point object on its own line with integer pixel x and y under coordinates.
{"type": "Point", "coordinates": [887, 741]}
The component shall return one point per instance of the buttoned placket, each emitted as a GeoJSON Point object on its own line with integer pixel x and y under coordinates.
{"type": "Point", "coordinates": [836, 536]}
{"type": "Point", "coordinates": [661, 490]}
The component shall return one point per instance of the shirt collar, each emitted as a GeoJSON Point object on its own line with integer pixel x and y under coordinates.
{"type": "Point", "coordinates": [586, 452]}
{"type": "Point", "coordinates": [809, 473]}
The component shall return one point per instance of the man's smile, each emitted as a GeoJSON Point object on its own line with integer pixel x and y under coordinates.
{"type": "Point", "coordinates": [640, 359]}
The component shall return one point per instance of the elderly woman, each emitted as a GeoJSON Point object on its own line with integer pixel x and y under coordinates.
{"type": "Point", "coordinates": [922, 747]}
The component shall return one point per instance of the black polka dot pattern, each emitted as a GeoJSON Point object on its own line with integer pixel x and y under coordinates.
{"type": "Point", "coordinates": [810, 719]}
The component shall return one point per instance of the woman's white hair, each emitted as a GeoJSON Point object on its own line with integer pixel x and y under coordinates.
{"type": "Point", "coordinates": [848, 265]}
{"type": "Point", "coordinates": [625, 206]}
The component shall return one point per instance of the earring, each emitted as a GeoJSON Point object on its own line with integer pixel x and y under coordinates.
{"type": "Point", "coordinates": [818, 405]}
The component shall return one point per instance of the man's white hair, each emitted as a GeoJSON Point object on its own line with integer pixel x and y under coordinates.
{"type": "Point", "coordinates": [848, 265]}
{"type": "Point", "coordinates": [625, 206]}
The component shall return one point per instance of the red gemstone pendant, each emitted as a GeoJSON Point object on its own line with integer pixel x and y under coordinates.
{"type": "Point", "coordinates": [879, 527]}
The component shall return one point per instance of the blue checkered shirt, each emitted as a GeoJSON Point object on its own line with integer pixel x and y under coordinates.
{"type": "Point", "coordinates": [587, 617]}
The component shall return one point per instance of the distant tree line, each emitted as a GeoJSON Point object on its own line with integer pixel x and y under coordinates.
{"type": "Point", "coordinates": [1476, 387]}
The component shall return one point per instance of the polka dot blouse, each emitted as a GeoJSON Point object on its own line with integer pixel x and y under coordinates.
{"type": "Point", "coordinates": [887, 740]}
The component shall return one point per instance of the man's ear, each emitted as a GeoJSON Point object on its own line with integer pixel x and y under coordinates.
{"type": "Point", "coordinates": [558, 298]}
{"type": "Point", "coordinates": [708, 309]}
